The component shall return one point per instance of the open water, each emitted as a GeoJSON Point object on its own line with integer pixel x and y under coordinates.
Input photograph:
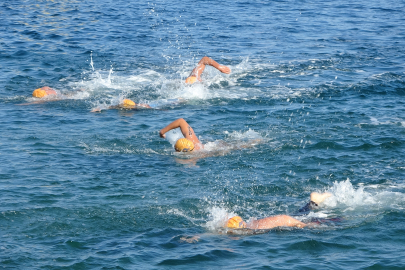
{"type": "Point", "coordinates": [315, 102]}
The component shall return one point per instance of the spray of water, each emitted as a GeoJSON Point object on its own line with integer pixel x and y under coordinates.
{"type": "Point", "coordinates": [352, 204]}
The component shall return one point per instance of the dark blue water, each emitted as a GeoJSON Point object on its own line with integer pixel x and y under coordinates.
{"type": "Point", "coordinates": [315, 102]}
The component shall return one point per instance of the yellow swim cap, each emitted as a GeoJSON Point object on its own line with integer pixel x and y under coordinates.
{"type": "Point", "coordinates": [191, 79]}
{"type": "Point", "coordinates": [39, 93]}
{"type": "Point", "coordinates": [184, 145]}
{"type": "Point", "coordinates": [128, 103]}
{"type": "Point", "coordinates": [236, 222]}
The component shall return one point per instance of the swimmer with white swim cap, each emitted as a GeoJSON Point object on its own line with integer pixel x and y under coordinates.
{"type": "Point", "coordinates": [199, 69]}
{"type": "Point", "coordinates": [190, 141]}
{"type": "Point", "coordinates": [125, 104]}
{"type": "Point", "coordinates": [237, 222]}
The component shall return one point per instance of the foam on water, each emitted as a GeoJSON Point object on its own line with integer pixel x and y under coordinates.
{"type": "Point", "coordinates": [217, 218]}
{"type": "Point", "coordinates": [301, 86]}
{"type": "Point", "coordinates": [103, 88]}
{"type": "Point", "coordinates": [108, 87]}
{"type": "Point", "coordinates": [234, 141]}
{"type": "Point", "coordinates": [351, 199]}
{"type": "Point", "coordinates": [173, 135]}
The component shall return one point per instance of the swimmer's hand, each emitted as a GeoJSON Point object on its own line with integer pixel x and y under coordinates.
{"type": "Point", "coordinates": [162, 134]}
{"type": "Point", "coordinates": [224, 69]}
{"type": "Point", "coordinates": [191, 240]}
{"type": "Point", "coordinates": [96, 110]}
{"type": "Point", "coordinates": [144, 105]}
{"type": "Point", "coordinates": [312, 224]}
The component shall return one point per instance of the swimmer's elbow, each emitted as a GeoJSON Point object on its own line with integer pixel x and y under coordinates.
{"type": "Point", "coordinates": [204, 60]}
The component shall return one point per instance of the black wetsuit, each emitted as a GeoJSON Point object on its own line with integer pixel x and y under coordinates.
{"type": "Point", "coordinates": [308, 207]}
{"type": "Point", "coordinates": [312, 206]}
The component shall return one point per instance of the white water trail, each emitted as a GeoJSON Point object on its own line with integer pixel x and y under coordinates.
{"type": "Point", "coordinates": [91, 61]}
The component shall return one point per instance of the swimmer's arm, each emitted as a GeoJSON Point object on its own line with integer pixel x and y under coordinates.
{"type": "Point", "coordinates": [38, 102]}
{"type": "Point", "coordinates": [179, 123]}
{"type": "Point", "coordinates": [172, 125]}
{"type": "Point", "coordinates": [276, 221]}
{"type": "Point", "coordinates": [199, 69]}
{"type": "Point", "coordinates": [185, 128]}
{"type": "Point", "coordinates": [108, 108]}
{"type": "Point", "coordinates": [30, 103]}
{"type": "Point", "coordinates": [143, 105]}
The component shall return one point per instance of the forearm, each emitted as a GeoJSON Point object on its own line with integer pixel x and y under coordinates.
{"type": "Point", "coordinates": [198, 70]}
{"type": "Point", "coordinates": [175, 124]}
{"type": "Point", "coordinates": [144, 105]}
{"type": "Point", "coordinates": [208, 61]}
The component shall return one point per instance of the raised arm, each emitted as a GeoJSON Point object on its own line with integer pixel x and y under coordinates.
{"type": "Point", "coordinates": [185, 128]}
{"type": "Point", "coordinates": [199, 69]}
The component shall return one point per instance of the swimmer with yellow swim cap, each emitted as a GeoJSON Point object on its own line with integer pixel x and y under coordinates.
{"type": "Point", "coordinates": [199, 69]}
{"type": "Point", "coordinates": [190, 141]}
{"type": "Point", "coordinates": [125, 104]}
{"type": "Point", "coordinates": [43, 92]}
{"type": "Point", "coordinates": [237, 222]}
{"type": "Point", "coordinates": [129, 104]}
{"type": "Point", "coordinates": [46, 94]}
{"type": "Point", "coordinates": [184, 145]}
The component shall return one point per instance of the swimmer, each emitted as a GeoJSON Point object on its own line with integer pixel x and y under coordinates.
{"type": "Point", "coordinates": [199, 69]}
{"type": "Point", "coordinates": [279, 220]}
{"type": "Point", "coordinates": [43, 92]}
{"type": "Point", "coordinates": [125, 104]}
{"type": "Point", "coordinates": [190, 141]}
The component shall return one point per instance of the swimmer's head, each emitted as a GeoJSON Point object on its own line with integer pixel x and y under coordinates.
{"type": "Point", "coordinates": [43, 92]}
{"type": "Point", "coordinates": [236, 223]}
{"type": "Point", "coordinates": [184, 145]}
{"type": "Point", "coordinates": [39, 93]}
{"type": "Point", "coordinates": [128, 103]}
{"type": "Point", "coordinates": [191, 79]}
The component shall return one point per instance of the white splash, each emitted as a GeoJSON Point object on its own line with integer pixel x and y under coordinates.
{"type": "Point", "coordinates": [376, 197]}
{"type": "Point", "coordinates": [173, 135]}
{"type": "Point", "coordinates": [217, 218]}
{"type": "Point", "coordinates": [91, 61]}
{"type": "Point", "coordinates": [145, 85]}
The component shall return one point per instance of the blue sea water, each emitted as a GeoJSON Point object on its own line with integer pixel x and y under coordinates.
{"type": "Point", "coordinates": [315, 102]}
